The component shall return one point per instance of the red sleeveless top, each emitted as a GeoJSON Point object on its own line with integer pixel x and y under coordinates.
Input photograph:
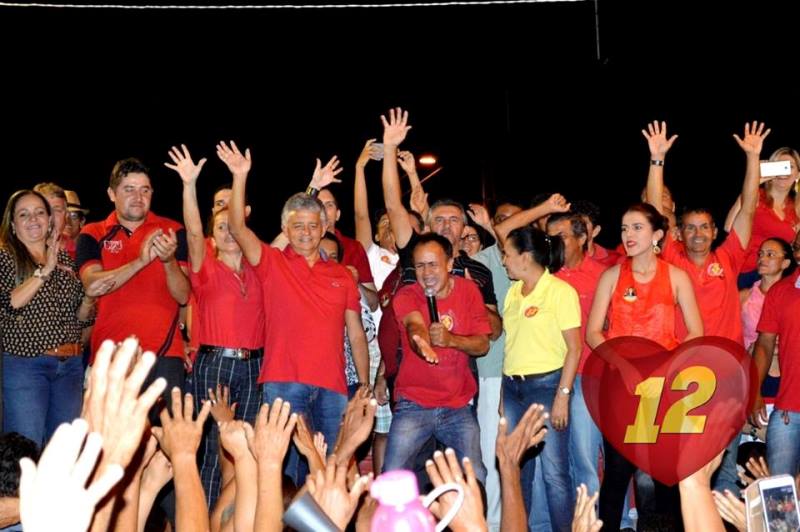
{"type": "Point", "coordinates": [643, 309]}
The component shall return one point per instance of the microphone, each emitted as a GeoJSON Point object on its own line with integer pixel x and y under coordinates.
{"type": "Point", "coordinates": [433, 312]}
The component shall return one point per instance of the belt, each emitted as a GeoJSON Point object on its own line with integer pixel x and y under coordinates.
{"type": "Point", "coordinates": [66, 350]}
{"type": "Point", "coordinates": [231, 352]}
{"type": "Point", "coordinates": [532, 375]}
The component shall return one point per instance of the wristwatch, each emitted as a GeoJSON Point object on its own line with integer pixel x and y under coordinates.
{"type": "Point", "coordinates": [40, 274]}
{"type": "Point", "coordinates": [564, 390]}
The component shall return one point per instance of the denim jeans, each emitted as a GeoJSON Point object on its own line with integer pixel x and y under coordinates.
{"type": "Point", "coordinates": [413, 426]}
{"type": "Point", "coordinates": [518, 395]}
{"type": "Point", "coordinates": [322, 409]}
{"type": "Point", "coordinates": [241, 377]}
{"type": "Point", "coordinates": [40, 393]}
{"type": "Point", "coordinates": [783, 443]}
{"type": "Point", "coordinates": [725, 477]}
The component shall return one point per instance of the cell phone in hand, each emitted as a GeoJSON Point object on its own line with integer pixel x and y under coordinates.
{"type": "Point", "coordinates": [376, 151]}
{"type": "Point", "coordinates": [771, 504]}
{"type": "Point", "coordinates": [775, 168]}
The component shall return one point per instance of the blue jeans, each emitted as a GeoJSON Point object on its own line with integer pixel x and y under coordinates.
{"type": "Point", "coordinates": [518, 395]}
{"type": "Point", "coordinates": [322, 409]}
{"type": "Point", "coordinates": [40, 393]}
{"type": "Point", "coordinates": [414, 425]}
{"type": "Point", "coordinates": [725, 477]}
{"type": "Point", "coordinates": [783, 443]}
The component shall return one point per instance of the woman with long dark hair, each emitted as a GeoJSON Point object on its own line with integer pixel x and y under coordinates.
{"type": "Point", "coordinates": [43, 308]}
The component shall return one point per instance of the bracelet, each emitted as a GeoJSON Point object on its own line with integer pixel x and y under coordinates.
{"type": "Point", "coordinates": [656, 162]}
{"type": "Point", "coordinates": [311, 191]}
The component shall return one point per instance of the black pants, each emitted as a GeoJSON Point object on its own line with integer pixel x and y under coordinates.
{"type": "Point", "coordinates": [664, 505]}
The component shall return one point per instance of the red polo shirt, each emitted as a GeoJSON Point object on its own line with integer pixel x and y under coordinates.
{"type": "Point", "coordinates": [584, 280]}
{"type": "Point", "coordinates": [450, 382]}
{"type": "Point", "coordinates": [230, 306]}
{"type": "Point", "coordinates": [607, 257]}
{"type": "Point", "coordinates": [142, 306]}
{"type": "Point", "coordinates": [781, 316]}
{"type": "Point", "coordinates": [305, 324]}
{"type": "Point", "coordinates": [714, 286]}
{"type": "Point", "coordinates": [355, 256]}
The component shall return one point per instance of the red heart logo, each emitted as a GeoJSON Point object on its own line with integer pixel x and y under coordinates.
{"type": "Point", "coordinates": [669, 412]}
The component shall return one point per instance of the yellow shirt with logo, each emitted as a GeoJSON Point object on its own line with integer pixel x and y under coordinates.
{"type": "Point", "coordinates": [534, 323]}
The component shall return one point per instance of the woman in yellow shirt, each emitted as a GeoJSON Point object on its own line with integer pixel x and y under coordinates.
{"type": "Point", "coordinates": [542, 319]}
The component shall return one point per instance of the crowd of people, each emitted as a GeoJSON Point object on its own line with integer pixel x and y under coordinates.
{"type": "Point", "coordinates": [445, 340]}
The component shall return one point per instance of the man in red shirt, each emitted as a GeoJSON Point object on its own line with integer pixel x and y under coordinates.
{"type": "Point", "coordinates": [713, 272]}
{"type": "Point", "coordinates": [308, 303]}
{"type": "Point", "coordinates": [434, 384]}
{"type": "Point", "coordinates": [145, 255]}
{"type": "Point", "coordinates": [355, 256]}
{"type": "Point", "coordinates": [780, 317]}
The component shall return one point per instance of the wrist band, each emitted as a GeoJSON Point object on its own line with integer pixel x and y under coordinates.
{"type": "Point", "coordinates": [656, 162]}
{"type": "Point", "coordinates": [311, 191]}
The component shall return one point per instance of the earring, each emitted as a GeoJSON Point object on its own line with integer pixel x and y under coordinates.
{"type": "Point", "coordinates": [13, 229]}
{"type": "Point", "coordinates": [656, 248]}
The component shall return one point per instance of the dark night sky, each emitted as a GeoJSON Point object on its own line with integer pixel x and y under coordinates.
{"type": "Point", "coordinates": [512, 95]}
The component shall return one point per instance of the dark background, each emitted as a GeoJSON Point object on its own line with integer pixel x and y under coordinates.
{"type": "Point", "coordinates": [514, 99]}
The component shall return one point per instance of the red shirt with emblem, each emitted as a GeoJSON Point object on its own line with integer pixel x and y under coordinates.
{"type": "Point", "coordinates": [584, 280]}
{"type": "Point", "coordinates": [450, 382]}
{"type": "Point", "coordinates": [766, 224]}
{"type": "Point", "coordinates": [781, 316]}
{"type": "Point", "coordinates": [230, 305]}
{"type": "Point", "coordinates": [142, 306]}
{"type": "Point", "coordinates": [304, 312]}
{"type": "Point", "coordinates": [714, 286]}
{"type": "Point", "coordinates": [354, 255]}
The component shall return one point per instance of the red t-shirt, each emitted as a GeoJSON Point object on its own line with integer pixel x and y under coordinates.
{"type": "Point", "coordinates": [230, 306]}
{"type": "Point", "coordinates": [142, 306]}
{"type": "Point", "coordinates": [781, 315]}
{"type": "Point", "coordinates": [584, 280]}
{"type": "Point", "coordinates": [355, 255]}
{"type": "Point", "coordinates": [388, 333]}
{"type": "Point", "coordinates": [450, 382]}
{"type": "Point", "coordinates": [714, 286]}
{"type": "Point", "coordinates": [766, 224]}
{"type": "Point", "coordinates": [607, 257]}
{"type": "Point", "coordinates": [643, 309]}
{"type": "Point", "coordinates": [304, 312]}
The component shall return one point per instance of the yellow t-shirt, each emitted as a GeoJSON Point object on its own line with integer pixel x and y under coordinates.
{"type": "Point", "coordinates": [534, 323]}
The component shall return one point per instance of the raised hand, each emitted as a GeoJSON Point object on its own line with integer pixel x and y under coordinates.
{"type": "Point", "coordinates": [51, 257]}
{"type": "Point", "coordinates": [53, 494]}
{"type": "Point", "coordinates": [758, 468]}
{"type": "Point", "coordinates": [480, 215]}
{"type": "Point", "coordinates": [731, 509]}
{"type": "Point", "coordinates": [396, 128]}
{"type": "Point", "coordinates": [237, 163]}
{"type": "Point", "coordinates": [221, 409]}
{"type": "Point", "coordinates": [406, 161]}
{"type": "Point", "coordinates": [180, 434]}
{"type": "Point", "coordinates": [444, 469]}
{"type": "Point", "coordinates": [753, 139]}
{"type": "Point", "coordinates": [325, 175]}
{"type": "Point", "coordinates": [657, 141]}
{"type": "Point", "coordinates": [366, 154]}
{"type": "Point", "coordinates": [425, 349]}
{"type": "Point", "coordinates": [233, 437]}
{"type": "Point", "coordinates": [528, 433]}
{"type": "Point", "coordinates": [419, 201]}
{"type": "Point", "coordinates": [147, 252]}
{"type": "Point", "coordinates": [557, 203]}
{"type": "Point", "coordinates": [357, 424]}
{"type": "Point", "coordinates": [328, 487]}
{"type": "Point", "coordinates": [269, 438]}
{"type": "Point", "coordinates": [304, 442]}
{"type": "Point", "coordinates": [112, 405]}
{"type": "Point", "coordinates": [165, 245]}
{"type": "Point", "coordinates": [157, 473]}
{"type": "Point", "coordinates": [585, 519]}
{"type": "Point", "coordinates": [183, 164]}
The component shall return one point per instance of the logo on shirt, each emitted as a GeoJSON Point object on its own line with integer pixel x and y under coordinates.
{"type": "Point", "coordinates": [531, 311]}
{"type": "Point", "coordinates": [385, 300]}
{"type": "Point", "coordinates": [447, 321]}
{"type": "Point", "coordinates": [715, 270]}
{"type": "Point", "coordinates": [386, 258]}
{"type": "Point", "coordinates": [629, 295]}
{"type": "Point", "coordinates": [112, 246]}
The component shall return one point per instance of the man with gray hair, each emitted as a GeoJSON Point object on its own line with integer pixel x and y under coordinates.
{"type": "Point", "coordinates": [309, 301]}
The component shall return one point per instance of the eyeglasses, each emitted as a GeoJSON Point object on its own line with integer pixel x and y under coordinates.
{"type": "Point", "coordinates": [75, 215]}
{"type": "Point", "coordinates": [471, 238]}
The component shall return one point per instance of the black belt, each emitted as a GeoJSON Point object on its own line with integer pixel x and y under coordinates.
{"type": "Point", "coordinates": [231, 352]}
{"type": "Point", "coordinates": [531, 375]}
